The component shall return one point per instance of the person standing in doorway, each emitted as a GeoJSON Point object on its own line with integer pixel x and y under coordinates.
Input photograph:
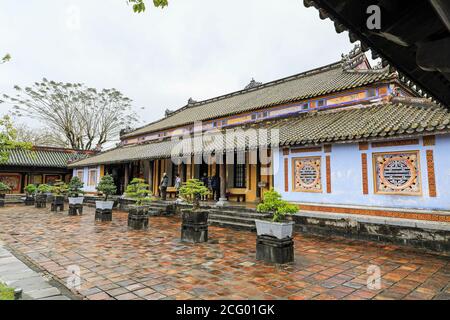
{"type": "Point", "coordinates": [163, 186]}
{"type": "Point", "coordinates": [177, 184]}
{"type": "Point", "coordinates": [215, 186]}
{"type": "Point", "coordinates": [205, 181]}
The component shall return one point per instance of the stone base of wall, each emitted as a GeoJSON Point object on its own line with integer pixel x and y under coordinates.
{"type": "Point", "coordinates": [428, 235]}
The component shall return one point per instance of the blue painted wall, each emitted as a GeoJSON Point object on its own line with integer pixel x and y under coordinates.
{"type": "Point", "coordinates": [346, 177]}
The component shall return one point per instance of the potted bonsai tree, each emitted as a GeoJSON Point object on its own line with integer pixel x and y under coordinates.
{"type": "Point", "coordinates": [138, 213]}
{"type": "Point", "coordinates": [3, 190]}
{"type": "Point", "coordinates": [41, 195]}
{"type": "Point", "coordinates": [59, 191]}
{"type": "Point", "coordinates": [30, 191]}
{"type": "Point", "coordinates": [194, 226]}
{"type": "Point", "coordinates": [75, 193]}
{"type": "Point", "coordinates": [278, 226]}
{"type": "Point", "coordinates": [106, 187]}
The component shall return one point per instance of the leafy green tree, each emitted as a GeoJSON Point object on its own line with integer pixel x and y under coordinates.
{"type": "Point", "coordinates": [138, 190]}
{"type": "Point", "coordinates": [106, 186]}
{"type": "Point", "coordinates": [192, 191]}
{"type": "Point", "coordinates": [30, 189]}
{"type": "Point", "coordinates": [75, 186]}
{"type": "Point", "coordinates": [5, 59]}
{"type": "Point", "coordinates": [8, 139]}
{"type": "Point", "coordinates": [139, 5]}
{"type": "Point", "coordinates": [278, 207]}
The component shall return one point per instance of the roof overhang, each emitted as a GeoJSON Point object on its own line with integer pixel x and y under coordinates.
{"type": "Point", "coordinates": [414, 37]}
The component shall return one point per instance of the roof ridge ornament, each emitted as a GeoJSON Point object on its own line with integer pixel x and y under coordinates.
{"type": "Point", "coordinates": [191, 102]}
{"type": "Point", "coordinates": [253, 84]}
{"type": "Point", "coordinates": [353, 59]}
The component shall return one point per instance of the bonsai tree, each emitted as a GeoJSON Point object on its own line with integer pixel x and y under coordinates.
{"type": "Point", "coordinates": [274, 204]}
{"type": "Point", "coordinates": [30, 189]}
{"type": "Point", "coordinates": [4, 188]}
{"type": "Point", "coordinates": [44, 188]}
{"type": "Point", "coordinates": [192, 191]}
{"type": "Point", "coordinates": [75, 186]}
{"type": "Point", "coordinates": [138, 190]}
{"type": "Point", "coordinates": [59, 188]}
{"type": "Point", "coordinates": [106, 186]}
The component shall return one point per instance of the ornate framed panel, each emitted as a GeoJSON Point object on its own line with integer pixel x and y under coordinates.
{"type": "Point", "coordinates": [13, 180]}
{"type": "Point", "coordinates": [397, 173]}
{"type": "Point", "coordinates": [306, 174]}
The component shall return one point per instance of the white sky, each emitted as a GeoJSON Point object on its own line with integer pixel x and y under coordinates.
{"type": "Point", "coordinates": [193, 48]}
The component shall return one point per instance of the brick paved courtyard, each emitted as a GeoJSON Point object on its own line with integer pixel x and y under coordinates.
{"type": "Point", "coordinates": [116, 263]}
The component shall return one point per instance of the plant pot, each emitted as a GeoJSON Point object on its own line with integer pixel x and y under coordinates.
{"type": "Point", "coordinates": [29, 200]}
{"type": "Point", "coordinates": [76, 200]}
{"type": "Point", "coordinates": [279, 230]}
{"type": "Point", "coordinates": [138, 217]}
{"type": "Point", "coordinates": [108, 205]}
{"type": "Point", "coordinates": [103, 215]}
{"type": "Point", "coordinates": [40, 201]}
{"type": "Point", "coordinates": [2, 199]}
{"type": "Point", "coordinates": [57, 203]}
{"type": "Point", "coordinates": [194, 226]}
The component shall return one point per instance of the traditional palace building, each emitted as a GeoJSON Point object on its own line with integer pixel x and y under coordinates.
{"type": "Point", "coordinates": [344, 137]}
{"type": "Point", "coordinates": [38, 165]}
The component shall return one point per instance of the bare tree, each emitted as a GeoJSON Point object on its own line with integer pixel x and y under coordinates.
{"type": "Point", "coordinates": [84, 116]}
{"type": "Point", "coordinates": [40, 137]}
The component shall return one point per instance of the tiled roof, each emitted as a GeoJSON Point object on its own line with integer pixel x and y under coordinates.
{"type": "Point", "coordinates": [313, 83]}
{"type": "Point", "coordinates": [47, 157]}
{"type": "Point", "coordinates": [377, 121]}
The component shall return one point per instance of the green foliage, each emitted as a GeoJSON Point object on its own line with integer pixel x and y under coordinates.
{"type": "Point", "coordinates": [75, 187]}
{"type": "Point", "coordinates": [139, 5]}
{"type": "Point", "coordinates": [6, 293]}
{"type": "Point", "coordinates": [59, 188]}
{"type": "Point", "coordinates": [4, 188]}
{"type": "Point", "coordinates": [278, 207]}
{"type": "Point", "coordinates": [192, 190]}
{"type": "Point", "coordinates": [44, 188]}
{"type": "Point", "coordinates": [5, 58]}
{"type": "Point", "coordinates": [106, 186]}
{"type": "Point", "coordinates": [30, 189]}
{"type": "Point", "coordinates": [138, 190]}
{"type": "Point", "coordinates": [8, 139]}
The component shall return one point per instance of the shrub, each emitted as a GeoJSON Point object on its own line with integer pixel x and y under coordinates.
{"type": "Point", "coordinates": [192, 190]}
{"type": "Point", "coordinates": [138, 190]}
{"type": "Point", "coordinates": [106, 186]}
{"type": "Point", "coordinates": [44, 188]}
{"type": "Point", "coordinates": [4, 188]}
{"type": "Point", "coordinates": [75, 187]}
{"type": "Point", "coordinates": [30, 189]}
{"type": "Point", "coordinates": [278, 207]}
{"type": "Point", "coordinates": [6, 293]}
{"type": "Point", "coordinates": [59, 188]}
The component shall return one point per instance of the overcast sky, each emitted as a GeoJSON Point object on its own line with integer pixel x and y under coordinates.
{"type": "Point", "coordinates": [193, 48]}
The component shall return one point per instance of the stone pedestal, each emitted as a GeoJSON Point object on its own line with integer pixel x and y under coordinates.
{"type": "Point", "coordinates": [273, 250]}
{"type": "Point", "coordinates": [138, 218]}
{"type": "Point", "coordinates": [2, 200]}
{"type": "Point", "coordinates": [57, 203]}
{"type": "Point", "coordinates": [103, 215]}
{"type": "Point", "coordinates": [29, 201]}
{"type": "Point", "coordinates": [40, 201]}
{"type": "Point", "coordinates": [75, 209]}
{"type": "Point", "coordinates": [194, 226]}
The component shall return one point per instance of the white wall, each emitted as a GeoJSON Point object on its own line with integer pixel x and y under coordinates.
{"type": "Point", "coordinates": [86, 187]}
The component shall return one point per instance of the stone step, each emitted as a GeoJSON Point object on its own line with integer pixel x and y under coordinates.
{"type": "Point", "coordinates": [233, 225]}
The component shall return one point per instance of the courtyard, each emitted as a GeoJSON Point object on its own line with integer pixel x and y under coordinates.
{"type": "Point", "coordinates": [117, 263]}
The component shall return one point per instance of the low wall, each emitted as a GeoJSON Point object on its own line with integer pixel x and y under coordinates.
{"type": "Point", "coordinates": [428, 235]}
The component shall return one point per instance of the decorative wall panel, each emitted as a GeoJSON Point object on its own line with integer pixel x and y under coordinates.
{"type": "Point", "coordinates": [397, 173]}
{"type": "Point", "coordinates": [306, 174]}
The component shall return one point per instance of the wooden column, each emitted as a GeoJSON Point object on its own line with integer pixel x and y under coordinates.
{"type": "Point", "coordinates": [127, 176]}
